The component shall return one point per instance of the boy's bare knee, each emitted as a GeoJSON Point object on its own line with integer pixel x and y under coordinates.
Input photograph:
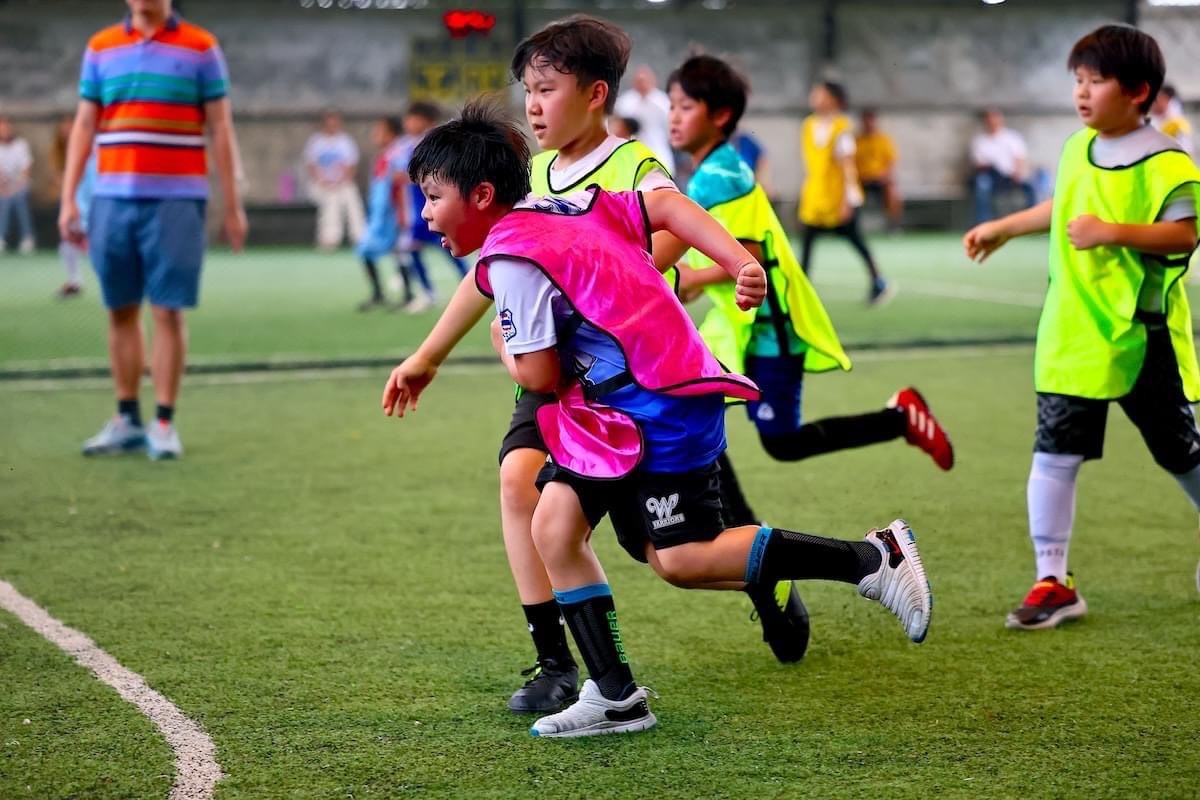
{"type": "Point", "coordinates": [167, 317]}
{"type": "Point", "coordinates": [552, 546]}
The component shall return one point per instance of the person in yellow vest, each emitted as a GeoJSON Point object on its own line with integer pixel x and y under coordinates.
{"type": "Point", "coordinates": [1167, 115]}
{"type": "Point", "coordinates": [1116, 324]}
{"type": "Point", "coordinates": [875, 158]}
{"type": "Point", "coordinates": [570, 71]}
{"type": "Point", "coordinates": [831, 195]}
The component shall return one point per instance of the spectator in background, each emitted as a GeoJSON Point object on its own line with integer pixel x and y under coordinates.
{"type": "Point", "coordinates": [876, 160]}
{"type": "Point", "coordinates": [1001, 163]}
{"type": "Point", "coordinates": [72, 252]}
{"type": "Point", "coordinates": [330, 158]}
{"type": "Point", "coordinates": [1166, 114]}
{"type": "Point", "coordinates": [623, 127]}
{"type": "Point", "coordinates": [831, 194]}
{"type": "Point", "coordinates": [16, 161]}
{"type": "Point", "coordinates": [649, 105]}
{"type": "Point", "coordinates": [145, 230]}
{"type": "Point", "coordinates": [419, 118]}
{"type": "Point", "coordinates": [751, 150]}
{"type": "Point", "coordinates": [385, 209]}
{"type": "Point", "coordinates": [58, 151]}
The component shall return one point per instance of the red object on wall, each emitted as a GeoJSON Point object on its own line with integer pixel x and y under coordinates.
{"type": "Point", "coordinates": [462, 24]}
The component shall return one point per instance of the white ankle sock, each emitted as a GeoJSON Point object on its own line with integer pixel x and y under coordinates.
{"type": "Point", "coordinates": [1190, 481]}
{"type": "Point", "coordinates": [1051, 497]}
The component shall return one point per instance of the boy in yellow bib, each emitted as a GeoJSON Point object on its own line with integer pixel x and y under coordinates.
{"type": "Point", "coordinates": [1116, 323]}
{"type": "Point", "coordinates": [791, 333]}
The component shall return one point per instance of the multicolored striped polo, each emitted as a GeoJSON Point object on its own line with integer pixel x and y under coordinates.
{"type": "Point", "coordinates": [151, 94]}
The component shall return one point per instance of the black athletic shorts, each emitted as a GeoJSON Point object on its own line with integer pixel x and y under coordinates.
{"type": "Point", "coordinates": [523, 430]}
{"type": "Point", "coordinates": [664, 509]}
{"type": "Point", "coordinates": [1156, 404]}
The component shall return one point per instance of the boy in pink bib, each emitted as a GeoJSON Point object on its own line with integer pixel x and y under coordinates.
{"type": "Point", "coordinates": [639, 424]}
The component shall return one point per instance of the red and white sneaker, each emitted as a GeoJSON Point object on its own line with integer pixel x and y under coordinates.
{"type": "Point", "coordinates": [921, 428]}
{"type": "Point", "coordinates": [1048, 605]}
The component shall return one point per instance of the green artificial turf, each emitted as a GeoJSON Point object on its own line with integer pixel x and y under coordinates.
{"type": "Point", "coordinates": [293, 305]}
{"type": "Point", "coordinates": [325, 591]}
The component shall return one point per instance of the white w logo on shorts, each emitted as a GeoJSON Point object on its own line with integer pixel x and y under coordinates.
{"type": "Point", "coordinates": [662, 508]}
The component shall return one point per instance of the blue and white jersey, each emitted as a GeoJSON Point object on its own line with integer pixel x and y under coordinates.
{"type": "Point", "coordinates": [680, 433]}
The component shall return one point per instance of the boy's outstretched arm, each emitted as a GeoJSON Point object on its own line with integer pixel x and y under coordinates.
{"type": "Point", "coordinates": [987, 237]}
{"type": "Point", "coordinates": [1169, 238]}
{"type": "Point", "coordinates": [690, 223]}
{"type": "Point", "coordinates": [407, 381]}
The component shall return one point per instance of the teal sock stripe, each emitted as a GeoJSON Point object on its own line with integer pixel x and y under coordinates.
{"type": "Point", "coordinates": [582, 593]}
{"type": "Point", "coordinates": [758, 548]}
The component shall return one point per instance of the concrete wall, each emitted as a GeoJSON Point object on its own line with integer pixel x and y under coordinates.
{"type": "Point", "coordinates": [928, 65]}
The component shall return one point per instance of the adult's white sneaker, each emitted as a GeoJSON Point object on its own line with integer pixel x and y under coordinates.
{"type": "Point", "coordinates": [118, 435]}
{"type": "Point", "coordinates": [162, 442]}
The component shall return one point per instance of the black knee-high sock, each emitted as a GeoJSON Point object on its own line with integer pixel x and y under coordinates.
{"type": "Point", "coordinates": [735, 509]}
{"type": "Point", "coordinates": [592, 617]}
{"type": "Point", "coordinates": [373, 277]}
{"type": "Point", "coordinates": [549, 633]}
{"type": "Point", "coordinates": [835, 433]}
{"type": "Point", "coordinates": [853, 235]}
{"type": "Point", "coordinates": [806, 248]}
{"type": "Point", "coordinates": [778, 555]}
{"type": "Point", "coordinates": [406, 279]}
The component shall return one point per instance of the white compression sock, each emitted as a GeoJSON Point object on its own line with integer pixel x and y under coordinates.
{"type": "Point", "coordinates": [1051, 497]}
{"type": "Point", "coordinates": [1190, 481]}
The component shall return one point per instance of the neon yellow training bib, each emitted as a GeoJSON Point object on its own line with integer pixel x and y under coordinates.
{"type": "Point", "coordinates": [1091, 338]}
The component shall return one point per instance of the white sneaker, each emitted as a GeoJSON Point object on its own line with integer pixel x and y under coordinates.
{"type": "Point", "coordinates": [162, 442]}
{"type": "Point", "coordinates": [118, 435]}
{"type": "Point", "coordinates": [418, 304]}
{"type": "Point", "coordinates": [26, 247]}
{"type": "Point", "coordinates": [900, 584]}
{"type": "Point", "coordinates": [593, 715]}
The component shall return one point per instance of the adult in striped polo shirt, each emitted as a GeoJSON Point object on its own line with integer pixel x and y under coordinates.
{"type": "Point", "coordinates": [150, 86]}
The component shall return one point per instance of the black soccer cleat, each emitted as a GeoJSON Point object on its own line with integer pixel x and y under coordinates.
{"type": "Point", "coordinates": [550, 687]}
{"type": "Point", "coordinates": [784, 619]}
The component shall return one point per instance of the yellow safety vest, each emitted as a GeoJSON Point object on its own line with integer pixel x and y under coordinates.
{"type": "Point", "coordinates": [824, 190]}
{"type": "Point", "coordinates": [791, 299]}
{"type": "Point", "coordinates": [1092, 337]}
{"type": "Point", "coordinates": [622, 171]}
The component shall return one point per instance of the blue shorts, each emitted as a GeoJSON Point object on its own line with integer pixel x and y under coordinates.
{"type": "Point", "coordinates": [147, 249]}
{"type": "Point", "coordinates": [781, 380]}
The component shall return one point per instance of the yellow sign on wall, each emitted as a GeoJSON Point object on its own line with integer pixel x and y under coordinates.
{"type": "Point", "coordinates": [452, 70]}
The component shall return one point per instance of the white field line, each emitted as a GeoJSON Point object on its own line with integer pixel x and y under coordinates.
{"type": "Point", "coordinates": [196, 767]}
{"type": "Point", "coordinates": [957, 291]}
{"type": "Point", "coordinates": [339, 373]}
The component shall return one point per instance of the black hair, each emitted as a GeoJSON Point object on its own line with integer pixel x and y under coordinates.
{"type": "Point", "coordinates": [716, 84]}
{"type": "Point", "coordinates": [393, 124]}
{"type": "Point", "coordinates": [423, 109]}
{"type": "Point", "coordinates": [483, 145]}
{"type": "Point", "coordinates": [1124, 53]}
{"type": "Point", "coordinates": [838, 92]}
{"type": "Point", "coordinates": [1170, 91]}
{"type": "Point", "coordinates": [591, 49]}
{"type": "Point", "coordinates": [632, 125]}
